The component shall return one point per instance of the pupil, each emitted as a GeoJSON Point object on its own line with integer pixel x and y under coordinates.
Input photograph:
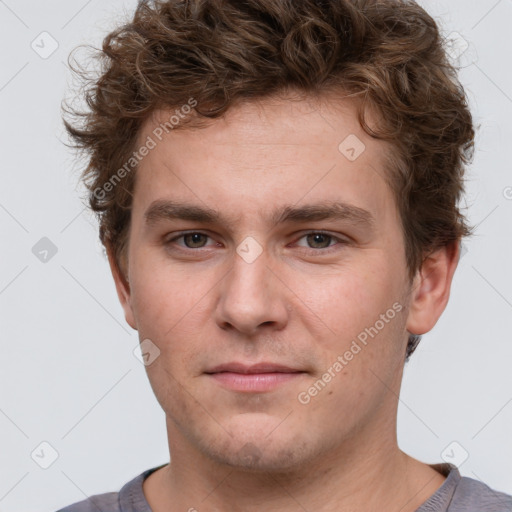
{"type": "Point", "coordinates": [317, 238]}
{"type": "Point", "coordinates": [195, 238]}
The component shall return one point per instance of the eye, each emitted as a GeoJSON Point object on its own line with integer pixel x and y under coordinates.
{"type": "Point", "coordinates": [192, 240]}
{"type": "Point", "coordinates": [318, 240]}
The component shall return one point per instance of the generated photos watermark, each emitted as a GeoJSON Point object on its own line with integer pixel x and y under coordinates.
{"type": "Point", "coordinates": [355, 348]}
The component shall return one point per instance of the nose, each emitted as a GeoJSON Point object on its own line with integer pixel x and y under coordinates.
{"type": "Point", "coordinates": [252, 298]}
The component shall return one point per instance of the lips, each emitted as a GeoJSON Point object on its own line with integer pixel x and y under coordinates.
{"type": "Point", "coordinates": [256, 378]}
{"type": "Point", "coordinates": [236, 367]}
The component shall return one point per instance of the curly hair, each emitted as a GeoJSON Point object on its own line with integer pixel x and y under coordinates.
{"type": "Point", "coordinates": [388, 53]}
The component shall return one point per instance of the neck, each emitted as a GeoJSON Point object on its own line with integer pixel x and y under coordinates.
{"type": "Point", "coordinates": [375, 476]}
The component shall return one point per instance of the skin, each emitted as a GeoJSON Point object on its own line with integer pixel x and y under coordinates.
{"type": "Point", "coordinates": [301, 303]}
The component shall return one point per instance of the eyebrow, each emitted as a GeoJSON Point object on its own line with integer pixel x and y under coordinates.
{"type": "Point", "coordinates": [166, 210]}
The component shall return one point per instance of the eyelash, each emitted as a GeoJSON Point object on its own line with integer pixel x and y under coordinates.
{"type": "Point", "coordinates": [310, 250]}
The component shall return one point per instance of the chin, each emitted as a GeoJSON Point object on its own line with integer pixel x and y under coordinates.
{"type": "Point", "coordinates": [261, 452]}
{"type": "Point", "coordinates": [251, 459]}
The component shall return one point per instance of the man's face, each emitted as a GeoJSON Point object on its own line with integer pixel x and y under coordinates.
{"type": "Point", "coordinates": [260, 284]}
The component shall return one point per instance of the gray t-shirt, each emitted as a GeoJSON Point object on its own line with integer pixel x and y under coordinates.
{"type": "Point", "coordinates": [456, 494]}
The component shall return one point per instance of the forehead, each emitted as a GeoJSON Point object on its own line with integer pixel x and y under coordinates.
{"type": "Point", "coordinates": [262, 151]}
{"type": "Point", "coordinates": [264, 120]}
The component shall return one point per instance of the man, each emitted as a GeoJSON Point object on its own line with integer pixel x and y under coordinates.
{"type": "Point", "coordinates": [277, 188]}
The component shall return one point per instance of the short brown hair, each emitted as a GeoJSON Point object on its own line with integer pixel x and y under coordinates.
{"type": "Point", "coordinates": [389, 53]}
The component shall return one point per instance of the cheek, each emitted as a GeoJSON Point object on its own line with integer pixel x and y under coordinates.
{"type": "Point", "coordinates": [165, 296]}
{"type": "Point", "coordinates": [351, 299]}
{"type": "Point", "coordinates": [171, 391]}
{"type": "Point", "coordinates": [171, 308]}
{"type": "Point", "coordinates": [365, 317]}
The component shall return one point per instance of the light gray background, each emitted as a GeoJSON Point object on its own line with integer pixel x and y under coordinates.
{"type": "Point", "coordinates": [68, 373]}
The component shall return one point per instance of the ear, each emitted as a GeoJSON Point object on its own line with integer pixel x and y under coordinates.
{"type": "Point", "coordinates": [122, 287]}
{"type": "Point", "coordinates": [431, 288]}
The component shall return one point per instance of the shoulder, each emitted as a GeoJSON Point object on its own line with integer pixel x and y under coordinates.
{"type": "Point", "coordinates": [129, 498]}
{"type": "Point", "coordinates": [472, 494]}
{"type": "Point", "coordinates": [100, 502]}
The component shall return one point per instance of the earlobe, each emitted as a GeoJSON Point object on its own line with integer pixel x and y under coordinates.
{"type": "Point", "coordinates": [431, 288]}
{"type": "Point", "coordinates": [122, 287]}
